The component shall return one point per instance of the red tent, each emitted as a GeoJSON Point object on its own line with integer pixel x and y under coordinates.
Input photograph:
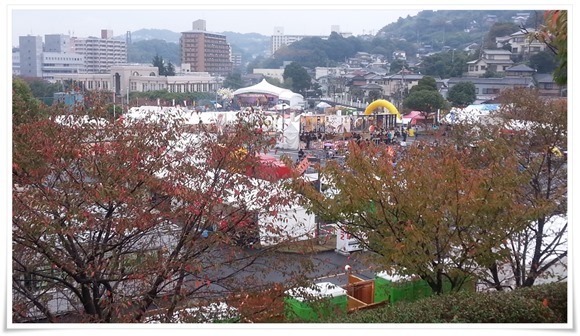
{"type": "Point", "coordinates": [413, 116]}
{"type": "Point", "coordinates": [270, 169]}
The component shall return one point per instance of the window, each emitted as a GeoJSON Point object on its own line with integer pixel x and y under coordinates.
{"type": "Point", "coordinates": [490, 91]}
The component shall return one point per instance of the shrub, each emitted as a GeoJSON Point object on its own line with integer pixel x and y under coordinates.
{"type": "Point", "coordinates": [519, 306]}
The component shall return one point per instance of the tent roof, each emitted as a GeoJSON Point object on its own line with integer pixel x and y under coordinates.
{"type": "Point", "coordinates": [287, 95]}
{"type": "Point", "coordinates": [412, 115]}
{"type": "Point", "coordinates": [262, 87]}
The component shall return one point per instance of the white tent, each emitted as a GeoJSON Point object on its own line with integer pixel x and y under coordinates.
{"type": "Point", "coordinates": [290, 137]}
{"type": "Point", "coordinates": [469, 114]}
{"type": "Point", "coordinates": [293, 99]}
{"type": "Point", "coordinates": [322, 105]}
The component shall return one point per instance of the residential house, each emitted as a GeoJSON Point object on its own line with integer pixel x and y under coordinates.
{"type": "Point", "coordinates": [399, 55]}
{"type": "Point", "coordinates": [547, 86]}
{"type": "Point", "coordinates": [494, 60]}
{"type": "Point", "coordinates": [487, 89]}
{"type": "Point", "coordinates": [328, 71]}
{"type": "Point", "coordinates": [522, 43]}
{"type": "Point", "coordinates": [472, 48]}
{"type": "Point", "coordinates": [396, 86]}
{"type": "Point", "coordinates": [520, 70]}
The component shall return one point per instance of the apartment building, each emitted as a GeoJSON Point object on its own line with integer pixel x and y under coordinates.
{"type": "Point", "coordinates": [101, 53]}
{"type": "Point", "coordinates": [279, 39]}
{"type": "Point", "coordinates": [204, 51]}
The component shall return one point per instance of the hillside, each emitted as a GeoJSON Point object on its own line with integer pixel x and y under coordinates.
{"type": "Point", "coordinates": [454, 28]}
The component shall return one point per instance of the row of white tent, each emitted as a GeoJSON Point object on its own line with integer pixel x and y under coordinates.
{"type": "Point", "coordinates": [289, 128]}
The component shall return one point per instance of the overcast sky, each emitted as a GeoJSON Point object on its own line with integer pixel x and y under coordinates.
{"type": "Point", "coordinates": [297, 17]}
{"type": "Point", "coordinates": [83, 23]}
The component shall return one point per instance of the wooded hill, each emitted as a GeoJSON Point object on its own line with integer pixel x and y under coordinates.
{"type": "Point", "coordinates": [428, 31]}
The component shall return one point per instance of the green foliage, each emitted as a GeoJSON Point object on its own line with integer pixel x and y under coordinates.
{"type": "Point", "coordinates": [491, 74]}
{"type": "Point", "coordinates": [499, 29]}
{"type": "Point", "coordinates": [544, 62]}
{"type": "Point", "coordinates": [164, 69]}
{"type": "Point", "coordinates": [519, 306]}
{"type": "Point", "coordinates": [169, 96]}
{"type": "Point", "coordinates": [454, 28]}
{"type": "Point", "coordinates": [145, 51]}
{"type": "Point", "coordinates": [554, 33]}
{"type": "Point", "coordinates": [300, 78]}
{"type": "Point", "coordinates": [43, 90]}
{"type": "Point", "coordinates": [462, 94]}
{"type": "Point", "coordinates": [25, 107]}
{"type": "Point", "coordinates": [398, 65]}
{"type": "Point", "coordinates": [287, 84]}
{"type": "Point", "coordinates": [427, 83]}
{"type": "Point", "coordinates": [444, 65]}
{"type": "Point", "coordinates": [424, 100]}
{"type": "Point", "coordinates": [233, 81]}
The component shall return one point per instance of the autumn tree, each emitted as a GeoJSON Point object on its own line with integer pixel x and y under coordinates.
{"type": "Point", "coordinates": [114, 219]}
{"type": "Point", "coordinates": [440, 213]}
{"type": "Point", "coordinates": [554, 33]}
{"type": "Point", "coordinates": [537, 129]}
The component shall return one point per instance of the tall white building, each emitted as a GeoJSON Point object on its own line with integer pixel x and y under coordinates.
{"type": "Point", "coordinates": [279, 39]}
{"type": "Point", "coordinates": [101, 53]}
{"type": "Point", "coordinates": [61, 63]}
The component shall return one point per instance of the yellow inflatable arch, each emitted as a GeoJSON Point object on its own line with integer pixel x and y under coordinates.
{"type": "Point", "coordinates": [383, 103]}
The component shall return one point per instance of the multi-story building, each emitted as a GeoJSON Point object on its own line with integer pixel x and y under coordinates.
{"type": "Point", "coordinates": [522, 43]}
{"type": "Point", "coordinates": [57, 43]}
{"type": "Point", "coordinates": [61, 63]}
{"type": "Point", "coordinates": [16, 62]}
{"type": "Point", "coordinates": [101, 53]}
{"type": "Point", "coordinates": [236, 59]}
{"type": "Point", "coordinates": [30, 56]}
{"type": "Point", "coordinates": [272, 73]}
{"type": "Point", "coordinates": [205, 51]}
{"type": "Point", "coordinates": [59, 57]}
{"type": "Point", "coordinates": [494, 60]}
{"type": "Point", "coordinates": [279, 39]}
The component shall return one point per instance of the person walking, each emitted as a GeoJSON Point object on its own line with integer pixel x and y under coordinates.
{"type": "Point", "coordinates": [389, 136]}
{"type": "Point", "coordinates": [404, 134]}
